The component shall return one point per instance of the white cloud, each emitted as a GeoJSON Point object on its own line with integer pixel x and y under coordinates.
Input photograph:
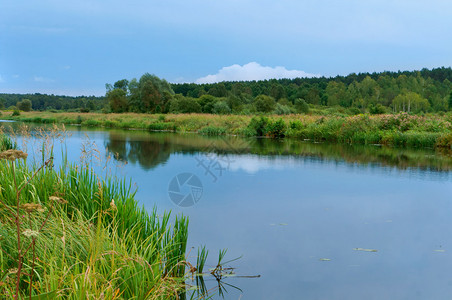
{"type": "Point", "coordinates": [252, 71]}
{"type": "Point", "coordinates": [15, 76]}
{"type": "Point", "coordinates": [43, 79]}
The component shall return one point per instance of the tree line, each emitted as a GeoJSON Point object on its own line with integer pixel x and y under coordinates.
{"type": "Point", "coordinates": [42, 102]}
{"type": "Point", "coordinates": [409, 91]}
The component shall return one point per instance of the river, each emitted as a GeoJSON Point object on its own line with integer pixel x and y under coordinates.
{"type": "Point", "coordinates": [314, 221]}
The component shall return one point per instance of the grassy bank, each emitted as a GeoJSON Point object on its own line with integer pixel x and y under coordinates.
{"type": "Point", "coordinates": [66, 233]}
{"type": "Point", "coordinates": [399, 130]}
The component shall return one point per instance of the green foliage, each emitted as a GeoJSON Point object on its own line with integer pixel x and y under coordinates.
{"type": "Point", "coordinates": [97, 241]}
{"type": "Point", "coordinates": [117, 100]}
{"type": "Point", "coordinates": [212, 130]}
{"type": "Point", "coordinates": [221, 108]}
{"type": "Point", "coordinates": [301, 106]}
{"type": "Point", "coordinates": [376, 109]}
{"type": "Point", "coordinates": [163, 126]}
{"type": "Point", "coordinates": [15, 113]}
{"type": "Point", "coordinates": [180, 104]}
{"type": "Point", "coordinates": [207, 103]}
{"type": "Point", "coordinates": [282, 109]}
{"type": "Point", "coordinates": [24, 105]}
{"type": "Point", "coordinates": [264, 103]}
{"type": "Point", "coordinates": [276, 129]}
{"type": "Point", "coordinates": [410, 102]}
{"type": "Point", "coordinates": [258, 125]}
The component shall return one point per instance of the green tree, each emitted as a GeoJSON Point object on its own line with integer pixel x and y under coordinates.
{"type": "Point", "coordinates": [221, 108]}
{"type": "Point", "coordinates": [134, 99]}
{"type": "Point", "coordinates": [337, 94]}
{"type": "Point", "coordinates": [301, 106]}
{"type": "Point", "coordinates": [24, 105]}
{"type": "Point", "coordinates": [264, 103]}
{"type": "Point", "coordinates": [122, 84]}
{"type": "Point", "coordinates": [207, 103]}
{"type": "Point", "coordinates": [410, 102]}
{"type": "Point", "coordinates": [450, 101]}
{"type": "Point", "coordinates": [117, 100]}
{"type": "Point", "coordinates": [181, 104]}
{"type": "Point", "coordinates": [154, 91]}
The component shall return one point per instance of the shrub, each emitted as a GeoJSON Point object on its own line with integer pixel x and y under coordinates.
{"type": "Point", "coordinates": [24, 105]}
{"type": "Point", "coordinates": [282, 109]}
{"type": "Point", "coordinates": [181, 104]}
{"type": "Point", "coordinates": [221, 108]}
{"type": "Point", "coordinates": [212, 130]}
{"type": "Point", "coordinates": [376, 109]}
{"type": "Point", "coordinates": [259, 125]}
{"type": "Point", "coordinates": [276, 129]}
{"type": "Point", "coordinates": [301, 106]}
{"type": "Point", "coordinates": [15, 113]}
{"type": "Point", "coordinates": [161, 126]}
{"type": "Point", "coordinates": [264, 103]}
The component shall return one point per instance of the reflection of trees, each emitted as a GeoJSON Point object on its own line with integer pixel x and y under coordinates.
{"type": "Point", "coordinates": [151, 149]}
{"type": "Point", "coordinates": [147, 153]}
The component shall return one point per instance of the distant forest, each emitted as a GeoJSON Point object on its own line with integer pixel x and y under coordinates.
{"type": "Point", "coordinates": [408, 91]}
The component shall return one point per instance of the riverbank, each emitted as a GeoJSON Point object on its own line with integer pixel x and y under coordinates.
{"type": "Point", "coordinates": [398, 130]}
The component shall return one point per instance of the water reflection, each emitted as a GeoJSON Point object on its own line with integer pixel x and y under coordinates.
{"type": "Point", "coordinates": [149, 150]}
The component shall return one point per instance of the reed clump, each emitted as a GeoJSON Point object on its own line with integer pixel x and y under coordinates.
{"type": "Point", "coordinates": [67, 233]}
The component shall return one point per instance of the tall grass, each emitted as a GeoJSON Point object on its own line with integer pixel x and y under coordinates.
{"type": "Point", "coordinates": [96, 244]}
{"type": "Point", "coordinates": [399, 130]}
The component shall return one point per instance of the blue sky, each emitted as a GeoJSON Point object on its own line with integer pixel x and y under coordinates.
{"type": "Point", "coordinates": [75, 47]}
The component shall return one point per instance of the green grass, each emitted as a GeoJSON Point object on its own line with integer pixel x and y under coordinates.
{"type": "Point", "coordinates": [89, 248]}
{"type": "Point", "coordinates": [398, 130]}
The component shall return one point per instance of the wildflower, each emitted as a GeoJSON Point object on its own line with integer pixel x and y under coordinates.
{"type": "Point", "coordinates": [13, 155]}
{"type": "Point", "coordinates": [31, 207]}
{"type": "Point", "coordinates": [57, 199]}
{"type": "Point", "coordinates": [30, 233]}
{"type": "Point", "coordinates": [113, 205]}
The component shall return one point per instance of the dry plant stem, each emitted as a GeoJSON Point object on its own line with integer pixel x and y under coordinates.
{"type": "Point", "coordinates": [32, 268]}
{"type": "Point", "coordinates": [19, 258]}
{"type": "Point", "coordinates": [18, 227]}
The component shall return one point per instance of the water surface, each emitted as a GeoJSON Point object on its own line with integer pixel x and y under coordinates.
{"type": "Point", "coordinates": [295, 211]}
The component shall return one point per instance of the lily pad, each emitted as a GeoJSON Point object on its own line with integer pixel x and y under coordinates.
{"type": "Point", "coordinates": [365, 250]}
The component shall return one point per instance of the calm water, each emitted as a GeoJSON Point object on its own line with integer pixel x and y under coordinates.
{"type": "Point", "coordinates": [295, 211]}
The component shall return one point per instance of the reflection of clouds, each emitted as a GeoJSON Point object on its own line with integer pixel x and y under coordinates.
{"type": "Point", "coordinates": [253, 163]}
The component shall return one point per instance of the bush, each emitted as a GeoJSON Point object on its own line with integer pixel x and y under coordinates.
{"type": "Point", "coordinates": [15, 113]}
{"type": "Point", "coordinates": [161, 126]}
{"type": "Point", "coordinates": [282, 109]}
{"type": "Point", "coordinates": [221, 108]}
{"type": "Point", "coordinates": [181, 104]}
{"type": "Point", "coordinates": [264, 103]}
{"type": "Point", "coordinates": [24, 105]}
{"type": "Point", "coordinates": [301, 106]}
{"type": "Point", "coordinates": [212, 130]}
{"type": "Point", "coordinates": [276, 129]}
{"type": "Point", "coordinates": [259, 125]}
{"type": "Point", "coordinates": [377, 109]}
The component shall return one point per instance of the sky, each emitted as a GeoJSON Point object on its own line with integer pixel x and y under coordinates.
{"type": "Point", "coordinates": [76, 47]}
